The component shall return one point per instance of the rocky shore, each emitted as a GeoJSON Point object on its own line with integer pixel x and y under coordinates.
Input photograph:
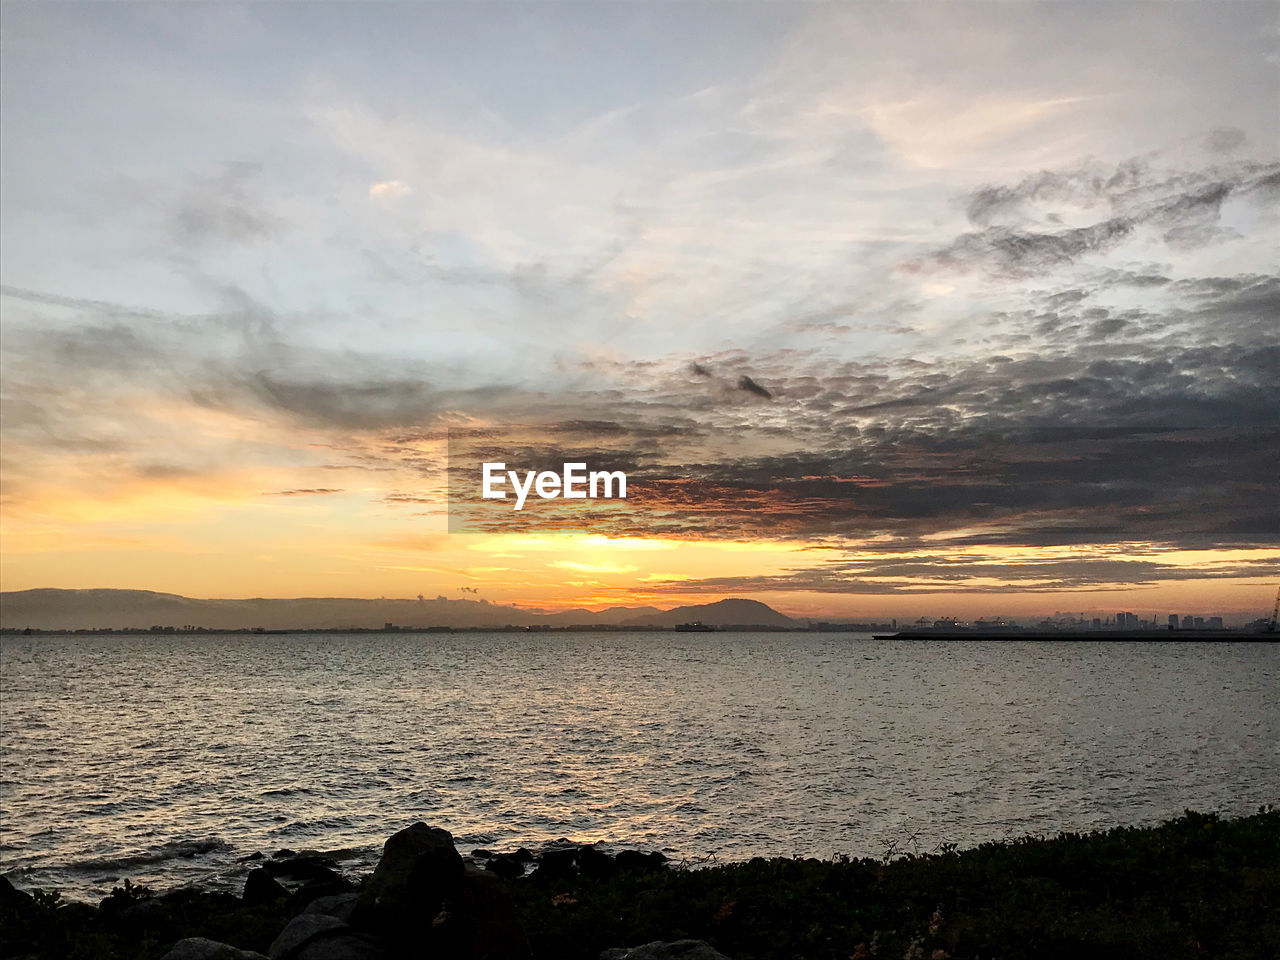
{"type": "Point", "coordinates": [1195, 887]}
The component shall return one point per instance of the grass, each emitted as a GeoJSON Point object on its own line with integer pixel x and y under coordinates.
{"type": "Point", "coordinates": [1195, 887]}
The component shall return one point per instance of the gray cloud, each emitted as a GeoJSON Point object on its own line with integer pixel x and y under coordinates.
{"type": "Point", "coordinates": [750, 386]}
{"type": "Point", "coordinates": [1016, 237]}
{"type": "Point", "coordinates": [223, 209]}
{"type": "Point", "coordinates": [1225, 139]}
{"type": "Point", "coordinates": [949, 573]}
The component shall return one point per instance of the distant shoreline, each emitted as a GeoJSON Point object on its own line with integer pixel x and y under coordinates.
{"type": "Point", "coordinates": [1149, 636]}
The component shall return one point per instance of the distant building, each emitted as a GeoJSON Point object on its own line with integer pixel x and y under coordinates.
{"type": "Point", "coordinates": [1214, 623]}
{"type": "Point", "coordinates": [1173, 621]}
{"type": "Point", "coordinates": [1187, 622]}
{"type": "Point", "coordinates": [1199, 622]}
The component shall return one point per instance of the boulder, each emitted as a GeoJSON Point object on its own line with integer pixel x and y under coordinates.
{"type": "Point", "coordinates": [662, 950]}
{"type": "Point", "coordinates": [198, 948]}
{"type": "Point", "coordinates": [306, 868]}
{"type": "Point", "coordinates": [261, 887]}
{"type": "Point", "coordinates": [418, 869]}
{"type": "Point", "coordinates": [300, 930]}
{"type": "Point", "coordinates": [15, 902]}
{"type": "Point", "coordinates": [423, 902]}
{"type": "Point", "coordinates": [639, 862]}
{"type": "Point", "coordinates": [338, 905]}
{"type": "Point", "coordinates": [317, 936]}
{"type": "Point", "coordinates": [506, 865]}
{"type": "Point", "coordinates": [557, 865]}
{"type": "Point", "coordinates": [595, 864]}
{"type": "Point", "coordinates": [480, 921]}
{"type": "Point", "coordinates": [342, 946]}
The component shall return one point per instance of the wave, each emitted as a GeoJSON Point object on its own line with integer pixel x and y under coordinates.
{"type": "Point", "coordinates": [162, 853]}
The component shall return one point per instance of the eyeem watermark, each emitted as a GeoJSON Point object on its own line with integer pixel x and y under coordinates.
{"type": "Point", "coordinates": [572, 483]}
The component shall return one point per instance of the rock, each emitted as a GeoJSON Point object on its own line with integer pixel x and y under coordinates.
{"type": "Point", "coordinates": [300, 930]}
{"type": "Point", "coordinates": [342, 946]}
{"type": "Point", "coordinates": [75, 912]}
{"type": "Point", "coordinates": [305, 868]}
{"type": "Point", "coordinates": [317, 936]}
{"type": "Point", "coordinates": [261, 887]}
{"type": "Point", "coordinates": [338, 905]}
{"type": "Point", "coordinates": [506, 865]}
{"type": "Point", "coordinates": [557, 865]}
{"type": "Point", "coordinates": [662, 950]}
{"type": "Point", "coordinates": [595, 864]}
{"type": "Point", "coordinates": [15, 902]}
{"type": "Point", "coordinates": [313, 890]}
{"type": "Point", "coordinates": [639, 862]}
{"type": "Point", "coordinates": [147, 919]}
{"type": "Point", "coordinates": [423, 902]}
{"type": "Point", "coordinates": [418, 869]}
{"type": "Point", "coordinates": [480, 921]}
{"type": "Point", "coordinates": [198, 948]}
{"type": "Point", "coordinates": [481, 854]}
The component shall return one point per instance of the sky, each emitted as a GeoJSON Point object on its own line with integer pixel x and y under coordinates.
{"type": "Point", "coordinates": [886, 309]}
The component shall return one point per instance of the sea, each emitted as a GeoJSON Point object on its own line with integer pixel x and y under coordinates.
{"type": "Point", "coordinates": [169, 759]}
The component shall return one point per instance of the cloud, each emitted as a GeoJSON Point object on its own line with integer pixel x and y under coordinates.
{"type": "Point", "coordinates": [1018, 252]}
{"type": "Point", "coordinates": [223, 209]}
{"type": "Point", "coordinates": [1018, 238]}
{"type": "Point", "coordinates": [750, 386]}
{"type": "Point", "coordinates": [592, 567]}
{"type": "Point", "coordinates": [1225, 139]}
{"type": "Point", "coordinates": [927, 573]}
{"type": "Point", "coordinates": [1058, 389]}
{"type": "Point", "coordinates": [305, 492]}
{"type": "Point", "coordinates": [389, 190]}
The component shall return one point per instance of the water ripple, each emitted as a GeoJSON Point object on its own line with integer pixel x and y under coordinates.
{"type": "Point", "coordinates": [169, 759]}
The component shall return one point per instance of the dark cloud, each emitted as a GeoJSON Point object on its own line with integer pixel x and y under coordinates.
{"type": "Point", "coordinates": [750, 386]}
{"type": "Point", "coordinates": [1146, 444]}
{"type": "Point", "coordinates": [1020, 252]}
{"type": "Point", "coordinates": [1020, 238]}
{"type": "Point", "coordinates": [952, 573]}
{"type": "Point", "coordinates": [353, 404]}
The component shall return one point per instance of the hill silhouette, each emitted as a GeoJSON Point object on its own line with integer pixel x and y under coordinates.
{"type": "Point", "coordinates": [55, 609]}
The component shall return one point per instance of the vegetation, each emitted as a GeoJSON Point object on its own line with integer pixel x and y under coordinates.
{"type": "Point", "coordinates": [1195, 887]}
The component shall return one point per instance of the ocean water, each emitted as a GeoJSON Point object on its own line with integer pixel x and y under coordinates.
{"type": "Point", "coordinates": [165, 759]}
